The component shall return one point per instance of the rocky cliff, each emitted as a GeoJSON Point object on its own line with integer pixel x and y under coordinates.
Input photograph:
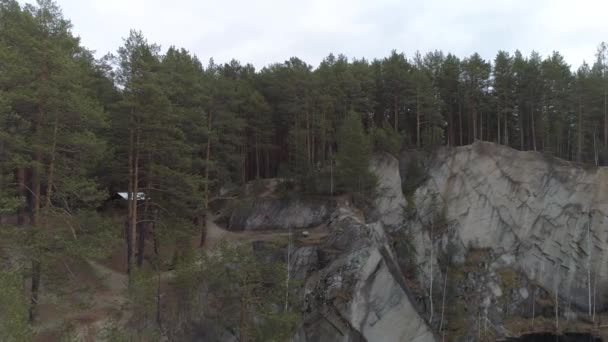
{"type": "Point", "coordinates": [491, 244]}
{"type": "Point", "coordinates": [353, 288]}
{"type": "Point", "coordinates": [511, 230]}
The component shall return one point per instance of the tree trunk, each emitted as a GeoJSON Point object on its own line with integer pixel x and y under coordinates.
{"type": "Point", "coordinates": [417, 118]}
{"type": "Point", "coordinates": [257, 158]}
{"type": "Point", "coordinates": [331, 171]}
{"type": "Point", "coordinates": [396, 113]}
{"type": "Point", "coordinates": [287, 278]}
{"type": "Point", "coordinates": [34, 289]}
{"type": "Point", "coordinates": [480, 125]}
{"type": "Point", "coordinates": [445, 285]}
{"type": "Point", "coordinates": [579, 151]}
{"type": "Point", "coordinates": [243, 324]}
{"type": "Point", "coordinates": [532, 126]}
{"type": "Point", "coordinates": [556, 309]}
{"type": "Point", "coordinates": [498, 130]}
{"type": "Point", "coordinates": [134, 198]}
{"type": "Point", "coordinates": [589, 264]}
{"type": "Point", "coordinates": [431, 276]}
{"type": "Point", "coordinates": [568, 147]}
{"type": "Point", "coordinates": [308, 141]}
{"type": "Point", "coordinates": [49, 186]}
{"type": "Point", "coordinates": [460, 122]}
{"type": "Point", "coordinates": [595, 151]}
{"type": "Point", "coordinates": [130, 200]}
{"type": "Point", "coordinates": [506, 134]}
{"type": "Point", "coordinates": [20, 180]}
{"type": "Point", "coordinates": [521, 129]}
{"type": "Point", "coordinates": [474, 114]}
{"type": "Point", "coordinates": [157, 266]}
{"type": "Point", "coordinates": [206, 183]}
{"type": "Point", "coordinates": [36, 187]}
{"type": "Point", "coordinates": [450, 127]}
{"type": "Point", "coordinates": [244, 159]}
{"type": "Point", "coordinates": [533, 306]}
{"type": "Point", "coordinates": [605, 120]}
{"type": "Point", "coordinates": [142, 228]}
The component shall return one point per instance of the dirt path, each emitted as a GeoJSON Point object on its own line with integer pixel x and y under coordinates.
{"type": "Point", "coordinates": [216, 234]}
{"type": "Point", "coordinates": [114, 281]}
{"type": "Point", "coordinates": [107, 302]}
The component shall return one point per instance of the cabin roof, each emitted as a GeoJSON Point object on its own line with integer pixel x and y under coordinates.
{"type": "Point", "coordinates": [125, 195]}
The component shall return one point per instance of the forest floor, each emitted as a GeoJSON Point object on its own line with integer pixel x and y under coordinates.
{"type": "Point", "coordinates": [104, 284]}
{"type": "Point", "coordinates": [99, 296]}
{"type": "Point", "coordinates": [107, 284]}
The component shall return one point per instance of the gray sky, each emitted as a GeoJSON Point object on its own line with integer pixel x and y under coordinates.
{"type": "Point", "coordinates": [267, 31]}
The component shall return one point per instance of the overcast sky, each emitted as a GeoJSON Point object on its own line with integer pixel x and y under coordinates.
{"type": "Point", "coordinates": [268, 31]}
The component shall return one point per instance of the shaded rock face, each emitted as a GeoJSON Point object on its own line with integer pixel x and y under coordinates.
{"type": "Point", "coordinates": [390, 203]}
{"type": "Point", "coordinates": [353, 289]}
{"type": "Point", "coordinates": [284, 213]}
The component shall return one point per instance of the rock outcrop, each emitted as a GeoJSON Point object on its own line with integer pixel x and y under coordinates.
{"type": "Point", "coordinates": [353, 289]}
{"type": "Point", "coordinates": [389, 204]}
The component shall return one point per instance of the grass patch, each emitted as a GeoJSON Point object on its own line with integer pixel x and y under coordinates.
{"type": "Point", "coordinates": [475, 256]}
{"type": "Point", "coordinates": [508, 277]}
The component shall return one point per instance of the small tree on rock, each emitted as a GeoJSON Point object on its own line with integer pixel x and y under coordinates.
{"type": "Point", "coordinates": [353, 157]}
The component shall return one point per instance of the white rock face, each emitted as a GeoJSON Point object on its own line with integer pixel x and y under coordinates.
{"type": "Point", "coordinates": [545, 217]}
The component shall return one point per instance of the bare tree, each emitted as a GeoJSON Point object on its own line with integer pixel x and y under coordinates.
{"type": "Point", "coordinates": [533, 306]}
{"type": "Point", "coordinates": [288, 271]}
{"type": "Point", "coordinates": [589, 262]}
{"type": "Point", "coordinates": [556, 308]}
{"type": "Point", "coordinates": [445, 284]}
{"type": "Point", "coordinates": [431, 285]}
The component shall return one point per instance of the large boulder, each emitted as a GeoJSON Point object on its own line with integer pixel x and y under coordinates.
{"type": "Point", "coordinates": [279, 213]}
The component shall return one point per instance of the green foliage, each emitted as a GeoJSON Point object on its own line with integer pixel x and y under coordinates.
{"type": "Point", "coordinates": [387, 140]}
{"type": "Point", "coordinates": [353, 157]}
{"type": "Point", "coordinates": [14, 325]}
{"type": "Point", "coordinates": [432, 137]}
{"type": "Point", "coordinates": [142, 297]}
{"type": "Point", "coordinates": [114, 332]}
{"type": "Point", "coordinates": [10, 204]}
{"type": "Point", "coordinates": [243, 283]}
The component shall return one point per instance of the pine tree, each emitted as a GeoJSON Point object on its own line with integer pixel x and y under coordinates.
{"type": "Point", "coordinates": [504, 89]}
{"type": "Point", "coordinates": [52, 121]}
{"type": "Point", "coordinates": [397, 86]}
{"type": "Point", "coordinates": [476, 73]}
{"type": "Point", "coordinates": [353, 156]}
{"type": "Point", "coordinates": [449, 84]}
